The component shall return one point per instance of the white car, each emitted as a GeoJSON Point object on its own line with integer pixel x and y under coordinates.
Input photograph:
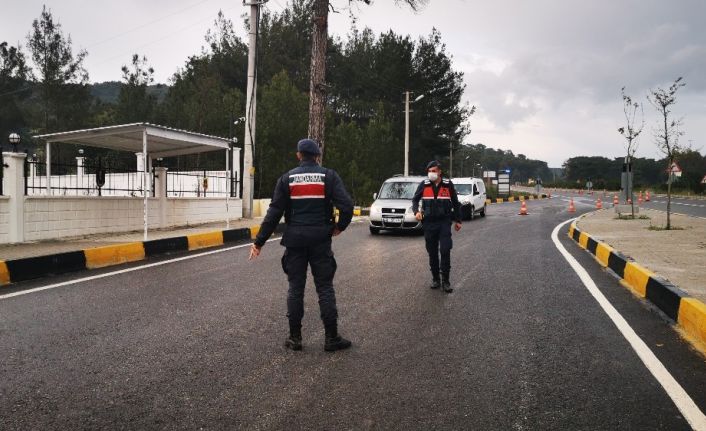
{"type": "Point", "coordinates": [471, 195]}
{"type": "Point", "coordinates": [392, 209]}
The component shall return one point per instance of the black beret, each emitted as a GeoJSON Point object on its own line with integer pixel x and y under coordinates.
{"type": "Point", "coordinates": [308, 146]}
{"type": "Point", "coordinates": [433, 163]}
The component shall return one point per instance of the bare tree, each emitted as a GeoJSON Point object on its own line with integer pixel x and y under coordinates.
{"type": "Point", "coordinates": [317, 82]}
{"type": "Point", "coordinates": [667, 133]}
{"type": "Point", "coordinates": [631, 132]}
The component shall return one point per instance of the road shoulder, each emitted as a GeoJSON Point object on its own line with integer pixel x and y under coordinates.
{"type": "Point", "coordinates": [680, 306]}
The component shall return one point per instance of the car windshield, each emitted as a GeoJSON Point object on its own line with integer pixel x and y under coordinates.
{"type": "Point", "coordinates": [398, 190]}
{"type": "Point", "coordinates": [464, 189]}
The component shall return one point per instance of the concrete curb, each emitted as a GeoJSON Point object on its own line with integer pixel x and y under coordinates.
{"type": "Point", "coordinates": [12, 271]}
{"type": "Point", "coordinates": [512, 199]}
{"type": "Point", "coordinates": [689, 313]}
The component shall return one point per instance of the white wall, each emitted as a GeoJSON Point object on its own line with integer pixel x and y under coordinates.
{"type": "Point", "coordinates": [189, 211]}
{"type": "Point", "coordinates": [59, 216]}
{"type": "Point", "coordinates": [4, 220]}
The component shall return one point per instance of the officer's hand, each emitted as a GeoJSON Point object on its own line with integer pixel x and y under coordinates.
{"type": "Point", "coordinates": [457, 226]}
{"type": "Point", "coordinates": [254, 251]}
{"type": "Point", "coordinates": [336, 231]}
{"type": "Point", "coordinates": [418, 216]}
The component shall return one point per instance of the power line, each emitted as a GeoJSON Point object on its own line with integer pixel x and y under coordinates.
{"type": "Point", "coordinates": [147, 24]}
{"type": "Point", "coordinates": [167, 36]}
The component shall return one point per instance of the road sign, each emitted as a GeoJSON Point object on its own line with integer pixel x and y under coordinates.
{"type": "Point", "coordinates": [703, 181]}
{"type": "Point", "coordinates": [674, 168]}
{"type": "Point", "coordinates": [503, 183]}
{"type": "Point", "coordinates": [488, 174]}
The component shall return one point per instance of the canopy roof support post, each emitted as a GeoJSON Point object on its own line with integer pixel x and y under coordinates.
{"type": "Point", "coordinates": [228, 186]}
{"type": "Point", "coordinates": [145, 181]}
{"type": "Point", "coordinates": [48, 168]}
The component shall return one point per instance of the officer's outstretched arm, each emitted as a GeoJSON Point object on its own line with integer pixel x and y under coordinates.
{"type": "Point", "coordinates": [274, 213]}
{"type": "Point", "coordinates": [342, 201]}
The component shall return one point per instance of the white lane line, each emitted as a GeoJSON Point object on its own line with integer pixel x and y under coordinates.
{"type": "Point", "coordinates": [123, 271]}
{"type": "Point", "coordinates": [676, 213]}
{"type": "Point", "coordinates": [681, 399]}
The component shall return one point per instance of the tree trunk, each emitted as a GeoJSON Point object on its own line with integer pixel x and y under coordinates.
{"type": "Point", "coordinates": [317, 89]}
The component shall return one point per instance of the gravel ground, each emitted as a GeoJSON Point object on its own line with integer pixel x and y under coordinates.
{"type": "Point", "coordinates": [677, 255]}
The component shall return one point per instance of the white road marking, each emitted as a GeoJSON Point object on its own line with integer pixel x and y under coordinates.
{"type": "Point", "coordinates": [123, 271]}
{"type": "Point", "coordinates": [681, 399]}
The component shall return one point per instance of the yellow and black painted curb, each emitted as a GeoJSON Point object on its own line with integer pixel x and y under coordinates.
{"type": "Point", "coordinates": [689, 313]}
{"type": "Point", "coordinates": [12, 271]}
{"type": "Point", "coordinates": [513, 199]}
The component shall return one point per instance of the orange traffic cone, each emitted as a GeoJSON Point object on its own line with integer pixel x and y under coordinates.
{"type": "Point", "coordinates": [615, 200]}
{"type": "Point", "coordinates": [647, 196]}
{"type": "Point", "coordinates": [599, 204]}
{"type": "Point", "coordinates": [523, 208]}
{"type": "Point", "coordinates": [572, 208]}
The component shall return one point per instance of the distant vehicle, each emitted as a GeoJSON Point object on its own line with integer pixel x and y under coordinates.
{"type": "Point", "coordinates": [392, 209]}
{"type": "Point", "coordinates": [471, 195]}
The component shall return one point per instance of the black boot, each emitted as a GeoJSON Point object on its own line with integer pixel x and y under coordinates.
{"type": "Point", "coordinates": [445, 284]}
{"type": "Point", "coordinates": [294, 341]}
{"type": "Point", "coordinates": [435, 282]}
{"type": "Point", "coordinates": [334, 341]}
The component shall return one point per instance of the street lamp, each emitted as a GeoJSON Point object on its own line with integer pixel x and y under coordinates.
{"type": "Point", "coordinates": [463, 161]}
{"type": "Point", "coordinates": [406, 129]}
{"type": "Point", "coordinates": [14, 141]}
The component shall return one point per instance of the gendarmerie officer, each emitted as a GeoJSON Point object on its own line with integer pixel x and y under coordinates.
{"type": "Point", "coordinates": [439, 207]}
{"type": "Point", "coordinates": [306, 196]}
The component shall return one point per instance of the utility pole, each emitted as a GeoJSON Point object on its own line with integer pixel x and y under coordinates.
{"type": "Point", "coordinates": [250, 109]}
{"type": "Point", "coordinates": [451, 159]}
{"type": "Point", "coordinates": [406, 133]}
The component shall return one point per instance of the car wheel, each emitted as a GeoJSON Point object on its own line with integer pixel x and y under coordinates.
{"type": "Point", "coordinates": [374, 230]}
{"type": "Point", "coordinates": [482, 212]}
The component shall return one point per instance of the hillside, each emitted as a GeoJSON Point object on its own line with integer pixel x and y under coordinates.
{"type": "Point", "coordinates": [108, 92]}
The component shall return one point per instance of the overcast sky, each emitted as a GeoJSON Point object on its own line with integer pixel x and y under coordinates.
{"type": "Point", "coordinates": [544, 74]}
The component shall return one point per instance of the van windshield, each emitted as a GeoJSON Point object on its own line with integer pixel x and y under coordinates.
{"type": "Point", "coordinates": [398, 190]}
{"type": "Point", "coordinates": [463, 189]}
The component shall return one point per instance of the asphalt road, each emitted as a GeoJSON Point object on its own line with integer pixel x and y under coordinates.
{"type": "Point", "coordinates": [197, 344]}
{"type": "Point", "coordinates": [690, 207]}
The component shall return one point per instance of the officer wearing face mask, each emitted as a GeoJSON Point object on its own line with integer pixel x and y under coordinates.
{"type": "Point", "coordinates": [439, 207]}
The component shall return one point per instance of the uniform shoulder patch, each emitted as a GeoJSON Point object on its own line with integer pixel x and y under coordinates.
{"type": "Point", "coordinates": [446, 181]}
{"type": "Point", "coordinates": [427, 182]}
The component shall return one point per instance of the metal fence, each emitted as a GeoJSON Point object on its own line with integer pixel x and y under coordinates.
{"type": "Point", "coordinates": [101, 179]}
{"type": "Point", "coordinates": [194, 183]}
{"type": "Point", "coordinates": [88, 179]}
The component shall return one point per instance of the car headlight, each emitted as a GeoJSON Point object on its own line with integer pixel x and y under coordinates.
{"type": "Point", "coordinates": [409, 211]}
{"type": "Point", "coordinates": [374, 209]}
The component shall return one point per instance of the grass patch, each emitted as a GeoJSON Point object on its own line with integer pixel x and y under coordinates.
{"type": "Point", "coordinates": [658, 228]}
{"type": "Point", "coordinates": [630, 217]}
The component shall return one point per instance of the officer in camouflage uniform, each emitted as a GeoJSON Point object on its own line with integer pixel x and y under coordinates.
{"type": "Point", "coordinates": [306, 196]}
{"type": "Point", "coordinates": [439, 207]}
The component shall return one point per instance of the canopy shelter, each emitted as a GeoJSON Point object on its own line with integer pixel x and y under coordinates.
{"type": "Point", "coordinates": [151, 140]}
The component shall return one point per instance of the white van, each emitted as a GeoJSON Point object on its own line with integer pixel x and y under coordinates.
{"type": "Point", "coordinates": [392, 209]}
{"type": "Point", "coordinates": [471, 194]}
